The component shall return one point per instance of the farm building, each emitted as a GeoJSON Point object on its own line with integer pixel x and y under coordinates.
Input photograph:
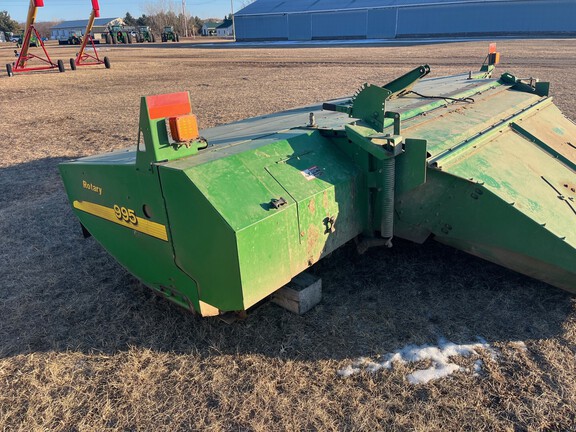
{"type": "Point", "coordinates": [226, 29]}
{"type": "Point", "coordinates": [209, 28]}
{"type": "Point", "coordinates": [66, 28]}
{"type": "Point", "coordinates": [390, 19]}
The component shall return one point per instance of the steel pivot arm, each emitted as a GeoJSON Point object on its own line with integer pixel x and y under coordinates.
{"type": "Point", "coordinates": [369, 103]}
{"type": "Point", "coordinates": [402, 85]}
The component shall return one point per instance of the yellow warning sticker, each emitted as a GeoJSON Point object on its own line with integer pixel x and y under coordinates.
{"type": "Point", "coordinates": [125, 217]}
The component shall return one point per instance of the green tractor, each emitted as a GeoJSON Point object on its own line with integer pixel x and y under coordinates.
{"type": "Point", "coordinates": [34, 42]}
{"type": "Point", "coordinates": [170, 35]}
{"type": "Point", "coordinates": [118, 35]}
{"type": "Point", "coordinates": [145, 34]}
{"type": "Point", "coordinates": [74, 39]}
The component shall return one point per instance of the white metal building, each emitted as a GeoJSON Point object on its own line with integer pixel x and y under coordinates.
{"type": "Point", "coordinates": [390, 19]}
{"type": "Point", "coordinates": [209, 28]}
{"type": "Point", "coordinates": [226, 29]}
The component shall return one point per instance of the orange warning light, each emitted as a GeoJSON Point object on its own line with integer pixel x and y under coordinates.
{"type": "Point", "coordinates": [494, 58]}
{"type": "Point", "coordinates": [184, 128]}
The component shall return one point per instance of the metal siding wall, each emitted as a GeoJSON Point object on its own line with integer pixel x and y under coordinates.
{"type": "Point", "coordinates": [548, 16]}
{"type": "Point", "coordinates": [513, 18]}
{"type": "Point", "coordinates": [299, 27]}
{"type": "Point", "coordinates": [269, 27]}
{"type": "Point", "coordinates": [339, 25]}
{"type": "Point", "coordinates": [499, 18]}
{"type": "Point", "coordinates": [381, 23]}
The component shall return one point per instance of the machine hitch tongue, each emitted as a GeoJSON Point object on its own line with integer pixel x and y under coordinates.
{"type": "Point", "coordinates": [384, 164]}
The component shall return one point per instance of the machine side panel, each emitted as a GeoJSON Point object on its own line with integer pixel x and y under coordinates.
{"type": "Point", "coordinates": [328, 190]}
{"type": "Point", "coordinates": [204, 243]}
{"type": "Point", "coordinates": [109, 201]}
{"type": "Point", "coordinates": [265, 215]}
{"type": "Point", "coordinates": [469, 216]}
{"type": "Point", "coordinates": [539, 180]}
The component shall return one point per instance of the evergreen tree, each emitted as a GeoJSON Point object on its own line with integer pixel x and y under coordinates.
{"type": "Point", "coordinates": [143, 21]}
{"type": "Point", "coordinates": [7, 24]}
{"type": "Point", "coordinates": [129, 20]}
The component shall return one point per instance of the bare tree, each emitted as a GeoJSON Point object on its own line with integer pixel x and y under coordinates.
{"type": "Point", "coordinates": [158, 6]}
{"type": "Point", "coordinates": [161, 13]}
{"type": "Point", "coordinates": [44, 27]}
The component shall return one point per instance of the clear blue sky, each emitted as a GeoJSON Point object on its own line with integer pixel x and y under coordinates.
{"type": "Point", "coordinates": [58, 10]}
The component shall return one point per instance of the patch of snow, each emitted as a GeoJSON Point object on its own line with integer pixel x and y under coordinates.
{"type": "Point", "coordinates": [348, 371]}
{"type": "Point", "coordinates": [440, 356]}
{"type": "Point", "coordinates": [434, 372]}
{"type": "Point", "coordinates": [478, 364]}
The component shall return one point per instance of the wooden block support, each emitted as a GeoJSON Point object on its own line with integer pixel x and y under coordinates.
{"type": "Point", "coordinates": [300, 295]}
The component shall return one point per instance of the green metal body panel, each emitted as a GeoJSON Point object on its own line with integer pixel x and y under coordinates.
{"type": "Point", "coordinates": [237, 230]}
{"type": "Point", "coordinates": [484, 165]}
{"type": "Point", "coordinates": [113, 180]}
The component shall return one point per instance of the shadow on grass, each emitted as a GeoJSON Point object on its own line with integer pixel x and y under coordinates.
{"type": "Point", "coordinates": [29, 181]}
{"type": "Point", "coordinates": [63, 293]}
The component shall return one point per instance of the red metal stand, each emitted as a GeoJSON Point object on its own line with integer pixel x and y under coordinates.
{"type": "Point", "coordinates": [25, 55]}
{"type": "Point", "coordinates": [21, 64]}
{"type": "Point", "coordinates": [85, 59]}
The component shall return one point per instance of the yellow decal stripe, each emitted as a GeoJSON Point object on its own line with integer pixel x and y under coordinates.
{"type": "Point", "coordinates": [142, 225]}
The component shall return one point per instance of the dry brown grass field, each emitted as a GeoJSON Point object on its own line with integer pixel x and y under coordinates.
{"type": "Point", "coordinates": [84, 347]}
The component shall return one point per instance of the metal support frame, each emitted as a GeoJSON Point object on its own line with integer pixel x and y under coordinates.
{"type": "Point", "coordinates": [83, 58]}
{"type": "Point", "coordinates": [25, 56]}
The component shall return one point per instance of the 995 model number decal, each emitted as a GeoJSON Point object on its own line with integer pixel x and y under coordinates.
{"type": "Point", "coordinates": [125, 214]}
{"type": "Point", "coordinates": [125, 217]}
